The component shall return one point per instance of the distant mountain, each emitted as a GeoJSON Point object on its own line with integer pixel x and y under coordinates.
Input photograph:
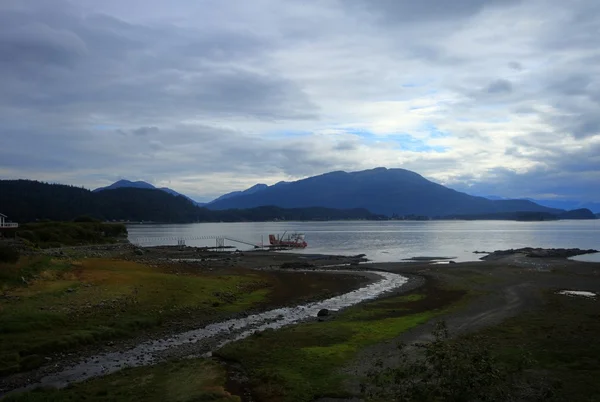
{"type": "Point", "coordinates": [582, 213]}
{"type": "Point", "coordinates": [528, 215]}
{"type": "Point", "coordinates": [381, 191]}
{"type": "Point", "coordinates": [144, 185]}
{"type": "Point", "coordinates": [126, 184]}
{"type": "Point", "coordinates": [567, 205]}
{"type": "Point", "coordinates": [570, 204]}
{"type": "Point", "coordinates": [27, 201]}
{"type": "Point", "coordinates": [254, 189]}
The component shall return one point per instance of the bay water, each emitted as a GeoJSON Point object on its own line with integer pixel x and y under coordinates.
{"type": "Point", "coordinates": [387, 241]}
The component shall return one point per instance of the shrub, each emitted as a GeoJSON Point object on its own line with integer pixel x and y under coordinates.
{"type": "Point", "coordinates": [8, 254]}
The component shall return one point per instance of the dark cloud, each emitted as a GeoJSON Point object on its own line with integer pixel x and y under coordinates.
{"type": "Point", "coordinates": [142, 131]}
{"type": "Point", "coordinates": [573, 84]}
{"type": "Point", "coordinates": [83, 64]}
{"type": "Point", "coordinates": [515, 65]}
{"type": "Point", "coordinates": [40, 44]}
{"type": "Point", "coordinates": [427, 10]}
{"type": "Point", "coordinates": [499, 86]}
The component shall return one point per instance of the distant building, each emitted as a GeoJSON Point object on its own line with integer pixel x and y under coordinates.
{"type": "Point", "coordinates": [5, 224]}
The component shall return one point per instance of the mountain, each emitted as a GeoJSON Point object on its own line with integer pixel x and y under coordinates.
{"type": "Point", "coordinates": [254, 189]}
{"type": "Point", "coordinates": [126, 184]}
{"type": "Point", "coordinates": [144, 185]}
{"type": "Point", "coordinates": [567, 205]}
{"type": "Point", "coordinates": [27, 201]}
{"type": "Point", "coordinates": [529, 215]}
{"type": "Point", "coordinates": [381, 191]}
{"type": "Point", "coordinates": [581, 213]}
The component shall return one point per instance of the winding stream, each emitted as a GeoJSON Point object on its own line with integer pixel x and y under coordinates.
{"type": "Point", "coordinates": [211, 337]}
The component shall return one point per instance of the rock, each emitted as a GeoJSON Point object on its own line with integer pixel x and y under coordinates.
{"type": "Point", "coordinates": [538, 253]}
{"type": "Point", "coordinates": [138, 251]}
{"type": "Point", "coordinates": [451, 262]}
{"type": "Point", "coordinates": [323, 313]}
{"type": "Point", "coordinates": [70, 290]}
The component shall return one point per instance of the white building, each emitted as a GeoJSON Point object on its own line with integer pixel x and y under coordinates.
{"type": "Point", "coordinates": [5, 224]}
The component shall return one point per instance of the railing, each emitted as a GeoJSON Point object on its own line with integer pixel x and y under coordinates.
{"type": "Point", "coordinates": [9, 225]}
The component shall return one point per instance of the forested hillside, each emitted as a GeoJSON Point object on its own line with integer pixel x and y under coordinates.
{"type": "Point", "coordinates": [28, 201]}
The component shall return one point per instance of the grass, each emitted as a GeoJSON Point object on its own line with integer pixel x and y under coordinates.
{"type": "Point", "coordinates": [302, 362]}
{"type": "Point", "coordinates": [188, 380]}
{"type": "Point", "coordinates": [55, 305]}
{"type": "Point", "coordinates": [561, 340]}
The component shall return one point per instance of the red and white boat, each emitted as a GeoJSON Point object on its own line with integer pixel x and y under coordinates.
{"type": "Point", "coordinates": [293, 240]}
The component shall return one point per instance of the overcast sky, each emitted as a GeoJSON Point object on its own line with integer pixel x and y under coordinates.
{"type": "Point", "coordinates": [485, 96]}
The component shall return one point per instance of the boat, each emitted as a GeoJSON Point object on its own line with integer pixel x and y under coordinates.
{"type": "Point", "coordinates": [293, 240]}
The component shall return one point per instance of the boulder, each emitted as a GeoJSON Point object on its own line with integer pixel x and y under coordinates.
{"type": "Point", "coordinates": [323, 313]}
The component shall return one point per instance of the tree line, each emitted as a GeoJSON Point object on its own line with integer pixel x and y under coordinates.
{"type": "Point", "coordinates": [30, 201]}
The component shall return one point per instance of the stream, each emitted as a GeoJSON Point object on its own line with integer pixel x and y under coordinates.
{"type": "Point", "coordinates": [202, 341]}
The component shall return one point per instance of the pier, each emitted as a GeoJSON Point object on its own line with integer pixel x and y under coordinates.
{"type": "Point", "coordinates": [219, 241]}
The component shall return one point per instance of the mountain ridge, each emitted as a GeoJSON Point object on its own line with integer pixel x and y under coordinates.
{"type": "Point", "coordinates": [381, 191]}
{"type": "Point", "coordinates": [251, 190]}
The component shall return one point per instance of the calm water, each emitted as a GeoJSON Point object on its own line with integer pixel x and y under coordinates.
{"type": "Point", "coordinates": [392, 240]}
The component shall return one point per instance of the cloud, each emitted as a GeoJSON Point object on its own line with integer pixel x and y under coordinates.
{"type": "Point", "coordinates": [208, 97]}
{"type": "Point", "coordinates": [143, 131]}
{"type": "Point", "coordinates": [499, 86]}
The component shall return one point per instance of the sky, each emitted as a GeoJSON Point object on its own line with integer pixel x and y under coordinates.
{"type": "Point", "coordinates": [491, 97]}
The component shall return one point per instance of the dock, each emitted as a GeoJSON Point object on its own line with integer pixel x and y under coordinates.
{"type": "Point", "coordinates": [220, 242]}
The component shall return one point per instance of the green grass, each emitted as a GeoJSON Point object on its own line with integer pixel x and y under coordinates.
{"type": "Point", "coordinates": [188, 380]}
{"type": "Point", "coordinates": [14, 275]}
{"type": "Point", "coordinates": [562, 341]}
{"type": "Point", "coordinates": [55, 305]}
{"type": "Point", "coordinates": [302, 362]}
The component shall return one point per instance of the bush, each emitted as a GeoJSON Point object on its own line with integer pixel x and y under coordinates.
{"type": "Point", "coordinates": [8, 254]}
